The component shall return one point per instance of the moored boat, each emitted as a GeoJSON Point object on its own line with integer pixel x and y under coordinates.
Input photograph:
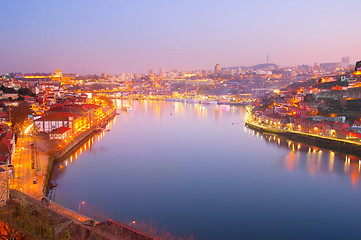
{"type": "Point", "coordinates": [127, 108]}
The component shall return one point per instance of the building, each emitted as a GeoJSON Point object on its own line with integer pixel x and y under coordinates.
{"type": "Point", "coordinates": [58, 76]}
{"type": "Point", "coordinates": [345, 62]}
{"type": "Point", "coordinates": [56, 120]}
{"type": "Point", "coordinates": [162, 73]}
{"type": "Point", "coordinates": [90, 112]}
{"type": "Point", "coordinates": [5, 174]}
{"type": "Point", "coordinates": [4, 117]}
{"type": "Point", "coordinates": [7, 147]}
{"type": "Point", "coordinates": [150, 73]}
{"type": "Point", "coordinates": [60, 133]}
{"type": "Point", "coordinates": [217, 69]}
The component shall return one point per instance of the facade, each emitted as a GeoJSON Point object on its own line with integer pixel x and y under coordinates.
{"type": "Point", "coordinates": [4, 117]}
{"type": "Point", "coordinates": [4, 185]}
{"type": "Point", "coordinates": [56, 120]}
{"type": "Point", "coordinates": [322, 128]}
{"type": "Point", "coordinates": [7, 147]}
{"type": "Point", "coordinates": [90, 112]}
{"type": "Point", "coordinates": [58, 76]}
{"type": "Point", "coordinates": [60, 133]}
{"type": "Point", "coordinates": [275, 120]}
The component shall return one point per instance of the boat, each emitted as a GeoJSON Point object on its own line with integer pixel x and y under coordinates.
{"type": "Point", "coordinates": [127, 108]}
{"type": "Point", "coordinates": [190, 100]}
{"type": "Point", "coordinates": [209, 102]}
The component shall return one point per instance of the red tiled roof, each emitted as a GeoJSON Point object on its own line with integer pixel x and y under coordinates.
{"type": "Point", "coordinates": [91, 106]}
{"type": "Point", "coordinates": [4, 148]}
{"type": "Point", "coordinates": [58, 116]}
{"type": "Point", "coordinates": [9, 135]}
{"type": "Point", "coordinates": [74, 108]}
{"type": "Point", "coordinates": [274, 116]}
{"type": "Point", "coordinates": [4, 114]}
{"type": "Point", "coordinates": [60, 130]}
{"type": "Point", "coordinates": [7, 142]}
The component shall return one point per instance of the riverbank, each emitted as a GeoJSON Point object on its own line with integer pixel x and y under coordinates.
{"type": "Point", "coordinates": [335, 144]}
{"type": "Point", "coordinates": [80, 139]}
{"type": "Point", "coordinates": [71, 147]}
{"type": "Point", "coordinates": [31, 219]}
{"type": "Point", "coordinates": [58, 156]}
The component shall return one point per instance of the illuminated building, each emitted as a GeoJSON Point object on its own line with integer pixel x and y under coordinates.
{"type": "Point", "coordinates": [345, 62]}
{"type": "Point", "coordinates": [161, 72]}
{"type": "Point", "coordinates": [60, 133]}
{"type": "Point", "coordinates": [59, 77]}
{"type": "Point", "coordinates": [53, 121]}
{"type": "Point", "coordinates": [150, 73]}
{"type": "Point", "coordinates": [217, 69]}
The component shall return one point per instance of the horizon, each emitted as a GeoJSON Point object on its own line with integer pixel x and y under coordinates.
{"type": "Point", "coordinates": [169, 70]}
{"type": "Point", "coordinates": [86, 37]}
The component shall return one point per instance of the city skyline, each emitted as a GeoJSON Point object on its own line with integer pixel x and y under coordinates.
{"type": "Point", "coordinates": [117, 37]}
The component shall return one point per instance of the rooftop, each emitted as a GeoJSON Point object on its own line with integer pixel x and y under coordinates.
{"type": "Point", "coordinates": [60, 130]}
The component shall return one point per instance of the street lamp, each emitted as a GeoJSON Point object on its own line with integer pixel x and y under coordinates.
{"type": "Point", "coordinates": [133, 222]}
{"type": "Point", "coordinates": [81, 203]}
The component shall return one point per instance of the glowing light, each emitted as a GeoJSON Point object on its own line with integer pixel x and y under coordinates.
{"type": "Point", "coordinates": [27, 130]}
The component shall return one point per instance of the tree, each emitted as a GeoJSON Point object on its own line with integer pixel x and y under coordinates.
{"type": "Point", "coordinates": [26, 92]}
{"type": "Point", "coordinates": [7, 90]}
{"type": "Point", "coordinates": [8, 232]}
{"type": "Point", "coordinates": [19, 114]}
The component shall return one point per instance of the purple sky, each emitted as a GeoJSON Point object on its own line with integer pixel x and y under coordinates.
{"type": "Point", "coordinates": [137, 35]}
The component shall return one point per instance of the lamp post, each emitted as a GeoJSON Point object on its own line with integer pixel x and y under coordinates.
{"type": "Point", "coordinates": [81, 203]}
{"type": "Point", "coordinates": [133, 222]}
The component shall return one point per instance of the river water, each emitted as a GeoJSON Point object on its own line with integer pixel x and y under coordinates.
{"type": "Point", "coordinates": [195, 169]}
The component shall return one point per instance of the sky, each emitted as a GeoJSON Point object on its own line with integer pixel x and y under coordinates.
{"type": "Point", "coordinates": [116, 36]}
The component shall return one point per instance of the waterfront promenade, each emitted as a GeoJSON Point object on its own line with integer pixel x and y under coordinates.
{"type": "Point", "coordinates": [27, 166]}
{"type": "Point", "coordinates": [345, 145]}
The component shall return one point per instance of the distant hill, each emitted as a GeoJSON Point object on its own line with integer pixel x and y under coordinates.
{"type": "Point", "coordinates": [258, 66]}
{"type": "Point", "coordinates": [264, 65]}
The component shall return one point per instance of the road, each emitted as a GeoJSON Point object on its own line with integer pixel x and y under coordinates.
{"type": "Point", "coordinates": [25, 174]}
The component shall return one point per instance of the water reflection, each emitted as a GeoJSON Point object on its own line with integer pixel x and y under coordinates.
{"type": "Point", "coordinates": [154, 108]}
{"type": "Point", "coordinates": [178, 163]}
{"type": "Point", "coordinates": [318, 160]}
{"type": "Point", "coordinates": [60, 167]}
{"type": "Point", "coordinates": [301, 156]}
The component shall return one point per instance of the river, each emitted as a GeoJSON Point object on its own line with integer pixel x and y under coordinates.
{"type": "Point", "coordinates": [195, 169]}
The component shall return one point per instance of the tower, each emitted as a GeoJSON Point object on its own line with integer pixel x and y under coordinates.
{"type": "Point", "coordinates": [217, 69]}
{"type": "Point", "coordinates": [345, 62]}
{"type": "Point", "coordinates": [161, 72]}
{"type": "Point", "coordinates": [267, 58]}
